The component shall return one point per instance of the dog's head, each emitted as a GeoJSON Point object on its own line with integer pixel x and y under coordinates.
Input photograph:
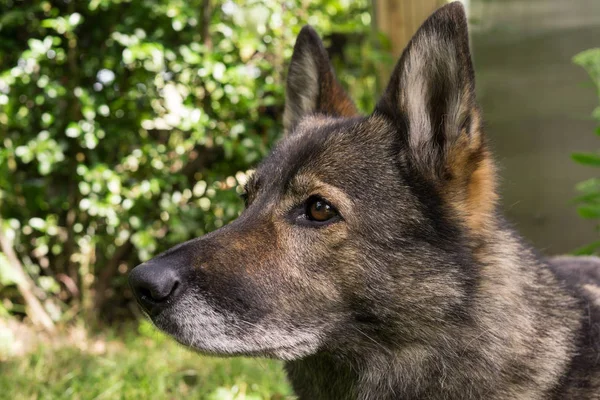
{"type": "Point", "coordinates": [356, 229]}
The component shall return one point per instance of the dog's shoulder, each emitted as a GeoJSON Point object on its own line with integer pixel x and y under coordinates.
{"type": "Point", "coordinates": [581, 276]}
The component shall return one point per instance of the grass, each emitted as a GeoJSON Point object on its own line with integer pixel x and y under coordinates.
{"type": "Point", "coordinates": [143, 365]}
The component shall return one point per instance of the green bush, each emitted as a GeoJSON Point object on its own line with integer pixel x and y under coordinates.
{"type": "Point", "coordinates": [128, 126]}
{"type": "Point", "coordinates": [589, 200]}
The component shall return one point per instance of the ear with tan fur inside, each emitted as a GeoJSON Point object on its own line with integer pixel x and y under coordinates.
{"type": "Point", "coordinates": [432, 94]}
{"type": "Point", "coordinates": [311, 83]}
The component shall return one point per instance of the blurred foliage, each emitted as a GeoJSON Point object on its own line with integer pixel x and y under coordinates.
{"type": "Point", "coordinates": [589, 199]}
{"type": "Point", "coordinates": [128, 126]}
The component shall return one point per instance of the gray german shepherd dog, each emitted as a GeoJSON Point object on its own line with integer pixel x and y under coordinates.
{"type": "Point", "coordinates": [372, 256]}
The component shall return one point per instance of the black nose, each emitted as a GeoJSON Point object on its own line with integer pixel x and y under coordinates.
{"type": "Point", "coordinates": [154, 284]}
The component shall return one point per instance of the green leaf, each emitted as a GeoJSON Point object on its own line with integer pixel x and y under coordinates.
{"type": "Point", "coordinates": [589, 211]}
{"type": "Point", "coordinates": [589, 186]}
{"type": "Point", "coordinates": [587, 159]}
{"type": "Point", "coordinates": [596, 112]}
{"type": "Point", "coordinates": [588, 198]}
{"type": "Point", "coordinates": [588, 249]}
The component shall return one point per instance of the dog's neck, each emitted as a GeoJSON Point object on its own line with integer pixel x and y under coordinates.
{"type": "Point", "coordinates": [506, 349]}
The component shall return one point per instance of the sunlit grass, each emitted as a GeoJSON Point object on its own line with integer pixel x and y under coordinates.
{"type": "Point", "coordinates": [138, 366]}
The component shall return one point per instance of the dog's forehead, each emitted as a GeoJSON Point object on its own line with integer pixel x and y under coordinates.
{"type": "Point", "coordinates": [315, 143]}
{"type": "Point", "coordinates": [325, 147]}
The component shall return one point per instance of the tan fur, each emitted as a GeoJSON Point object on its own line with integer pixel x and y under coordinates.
{"type": "Point", "coordinates": [471, 185]}
{"type": "Point", "coordinates": [481, 195]}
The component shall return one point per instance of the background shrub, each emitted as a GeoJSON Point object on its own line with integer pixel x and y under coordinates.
{"type": "Point", "coordinates": [128, 126]}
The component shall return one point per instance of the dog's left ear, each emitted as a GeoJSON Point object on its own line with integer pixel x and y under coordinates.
{"type": "Point", "coordinates": [431, 99]}
{"type": "Point", "coordinates": [311, 83]}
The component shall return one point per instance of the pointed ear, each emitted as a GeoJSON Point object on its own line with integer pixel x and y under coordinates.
{"type": "Point", "coordinates": [311, 83]}
{"type": "Point", "coordinates": [432, 88]}
{"type": "Point", "coordinates": [431, 98]}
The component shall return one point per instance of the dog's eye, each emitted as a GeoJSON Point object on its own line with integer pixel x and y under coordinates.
{"type": "Point", "coordinates": [319, 210]}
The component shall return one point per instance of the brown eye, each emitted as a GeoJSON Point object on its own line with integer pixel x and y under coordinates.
{"type": "Point", "coordinates": [319, 210]}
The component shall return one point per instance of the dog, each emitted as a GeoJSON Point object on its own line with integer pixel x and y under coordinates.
{"type": "Point", "coordinates": [372, 256]}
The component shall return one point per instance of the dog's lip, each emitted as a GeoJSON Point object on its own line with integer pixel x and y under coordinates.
{"type": "Point", "coordinates": [269, 352]}
{"type": "Point", "coordinates": [256, 352]}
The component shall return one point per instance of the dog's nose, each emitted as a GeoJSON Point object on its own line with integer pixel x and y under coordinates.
{"type": "Point", "coordinates": [154, 284]}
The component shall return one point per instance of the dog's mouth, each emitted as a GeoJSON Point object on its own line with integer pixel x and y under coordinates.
{"type": "Point", "coordinates": [288, 352]}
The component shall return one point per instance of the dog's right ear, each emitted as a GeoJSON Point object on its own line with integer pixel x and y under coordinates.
{"type": "Point", "coordinates": [311, 83]}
